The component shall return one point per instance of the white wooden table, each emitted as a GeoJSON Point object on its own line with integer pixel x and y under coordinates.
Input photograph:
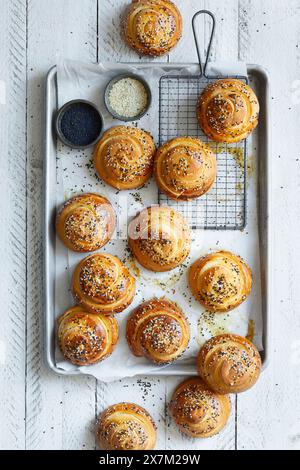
{"type": "Point", "coordinates": [39, 410]}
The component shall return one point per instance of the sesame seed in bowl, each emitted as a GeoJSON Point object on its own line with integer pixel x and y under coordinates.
{"type": "Point", "coordinates": [127, 97]}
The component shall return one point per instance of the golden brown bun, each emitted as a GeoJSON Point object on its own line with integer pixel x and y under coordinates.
{"type": "Point", "coordinates": [220, 281]}
{"type": "Point", "coordinates": [228, 110]}
{"type": "Point", "coordinates": [126, 426]}
{"type": "Point", "coordinates": [185, 168]}
{"type": "Point", "coordinates": [159, 238]}
{"type": "Point", "coordinates": [197, 410]}
{"type": "Point", "coordinates": [102, 284]}
{"type": "Point", "coordinates": [86, 223]}
{"type": "Point", "coordinates": [158, 330]}
{"type": "Point", "coordinates": [86, 338]}
{"type": "Point", "coordinates": [152, 27]}
{"type": "Point", "coordinates": [124, 157]}
{"type": "Point", "coordinates": [229, 363]}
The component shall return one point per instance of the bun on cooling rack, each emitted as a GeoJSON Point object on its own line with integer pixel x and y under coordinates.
{"type": "Point", "coordinates": [197, 410]}
{"type": "Point", "coordinates": [158, 330]}
{"type": "Point", "coordinates": [152, 27]}
{"type": "Point", "coordinates": [159, 238]}
{"type": "Point", "coordinates": [228, 110]}
{"type": "Point", "coordinates": [185, 168]}
{"type": "Point", "coordinates": [126, 426]}
{"type": "Point", "coordinates": [86, 338]}
{"type": "Point", "coordinates": [86, 222]}
{"type": "Point", "coordinates": [229, 363]}
{"type": "Point", "coordinates": [220, 281]}
{"type": "Point", "coordinates": [102, 284]}
{"type": "Point", "coordinates": [124, 157]}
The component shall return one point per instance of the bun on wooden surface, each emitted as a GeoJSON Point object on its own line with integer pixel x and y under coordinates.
{"type": "Point", "coordinates": [126, 426]}
{"type": "Point", "coordinates": [197, 410]}
{"type": "Point", "coordinates": [152, 27]}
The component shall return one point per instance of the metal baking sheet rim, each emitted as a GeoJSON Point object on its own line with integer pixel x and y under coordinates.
{"type": "Point", "coordinates": [265, 221]}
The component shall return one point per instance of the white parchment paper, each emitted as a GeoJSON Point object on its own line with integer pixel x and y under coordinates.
{"type": "Point", "coordinates": [75, 175]}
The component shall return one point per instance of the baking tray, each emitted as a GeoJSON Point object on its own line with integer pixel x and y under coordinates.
{"type": "Point", "coordinates": [257, 74]}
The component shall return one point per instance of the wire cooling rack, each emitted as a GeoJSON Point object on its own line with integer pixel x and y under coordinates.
{"type": "Point", "coordinates": [224, 206]}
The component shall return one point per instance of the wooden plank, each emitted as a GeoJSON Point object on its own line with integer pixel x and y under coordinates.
{"type": "Point", "coordinates": [176, 440]}
{"type": "Point", "coordinates": [59, 410]}
{"type": "Point", "coordinates": [111, 47]}
{"type": "Point", "coordinates": [268, 414]}
{"type": "Point", "coordinates": [13, 223]}
{"type": "Point", "coordinates": [147, 392]}
{"type": "Point", "coordinates": [225, 47]}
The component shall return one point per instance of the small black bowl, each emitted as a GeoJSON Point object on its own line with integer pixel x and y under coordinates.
{"type": "Point", "coordinates": [109, 87]}
{"type": "Point", "coordinates": [95, 119]}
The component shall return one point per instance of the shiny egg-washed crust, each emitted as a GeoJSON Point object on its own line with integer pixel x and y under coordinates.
{"type": "Point", "coordinates": [229, 363]}
{"type": "Point", "coordinates": [197, 410]}
{"type": "Point", "coordinates": [102, 284]}
{"type": "Point", "coordinates": [86, 222]}
{"type": "Point", "coordinates": [124, 157]}
{"type": "Point", "coordinates": [185, 168]}
{"type": "Point", "coordinates": [126, 426]}
{"type": "Point", "coordinates": [158, 330]}
{"type": "Point", "coordinates": [86, 338]}
{"type": "Point", "coordinates": [228, 111]}
{"type": "Point", "coordinates": [152, 27]}
{"type": "Point", "coordinates": [220, 281]}
{"type": "Point", "coordinates": [159, 238]}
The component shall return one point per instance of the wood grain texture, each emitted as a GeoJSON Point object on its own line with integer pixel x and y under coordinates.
{"type": "Point", "coordinates": [176, 440]}
{"type": "Point", "coordinates": [42, 410]}
{"type": "Point", "coordinates": [111, 48]}
{"type": "Point", "coordinates": [226, 34]}
{"type": "Point", "coordinates": [59, 410]}
{"type": "Point", "coordinates": [147, 392]}
{"type": "Point", "coordinates": [268, 415]}
{"type": "Point", "coordinates": [13, 210]}
{"type": "Point", "coordinates": [225, 45]}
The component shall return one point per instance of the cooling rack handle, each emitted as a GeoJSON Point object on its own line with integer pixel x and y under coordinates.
{"type": "Point", "coordinates": [203, 12]}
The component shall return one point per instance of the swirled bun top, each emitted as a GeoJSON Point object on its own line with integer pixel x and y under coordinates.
{"type": "Point", "coordinates": [185, 168]}
{"type": "Point", "coordinates": [159, 238]}
{"type": "Point", "coordinates": [124, 157]}
{"type": "Point", "coordinates": [86, 338]}
{"type": "Point", "coordinates": [229, 363]}
{"type": "Point", "coordinates": [101, 283]}
{"type": "Point", "coordinates": [197, 410]}
{"type": "Point", "coordinates": [158, 330]}
{"type": "Point", "coordinates": [86, 222]}
{"type": "Point", "coordinates": [220, 281]}
{"type": "Point", "coordinates": [152, 27]}
{"type": "Point", "coordinates": [228, 110]}
{"type": "Point", "coordinates": [126, 426]}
